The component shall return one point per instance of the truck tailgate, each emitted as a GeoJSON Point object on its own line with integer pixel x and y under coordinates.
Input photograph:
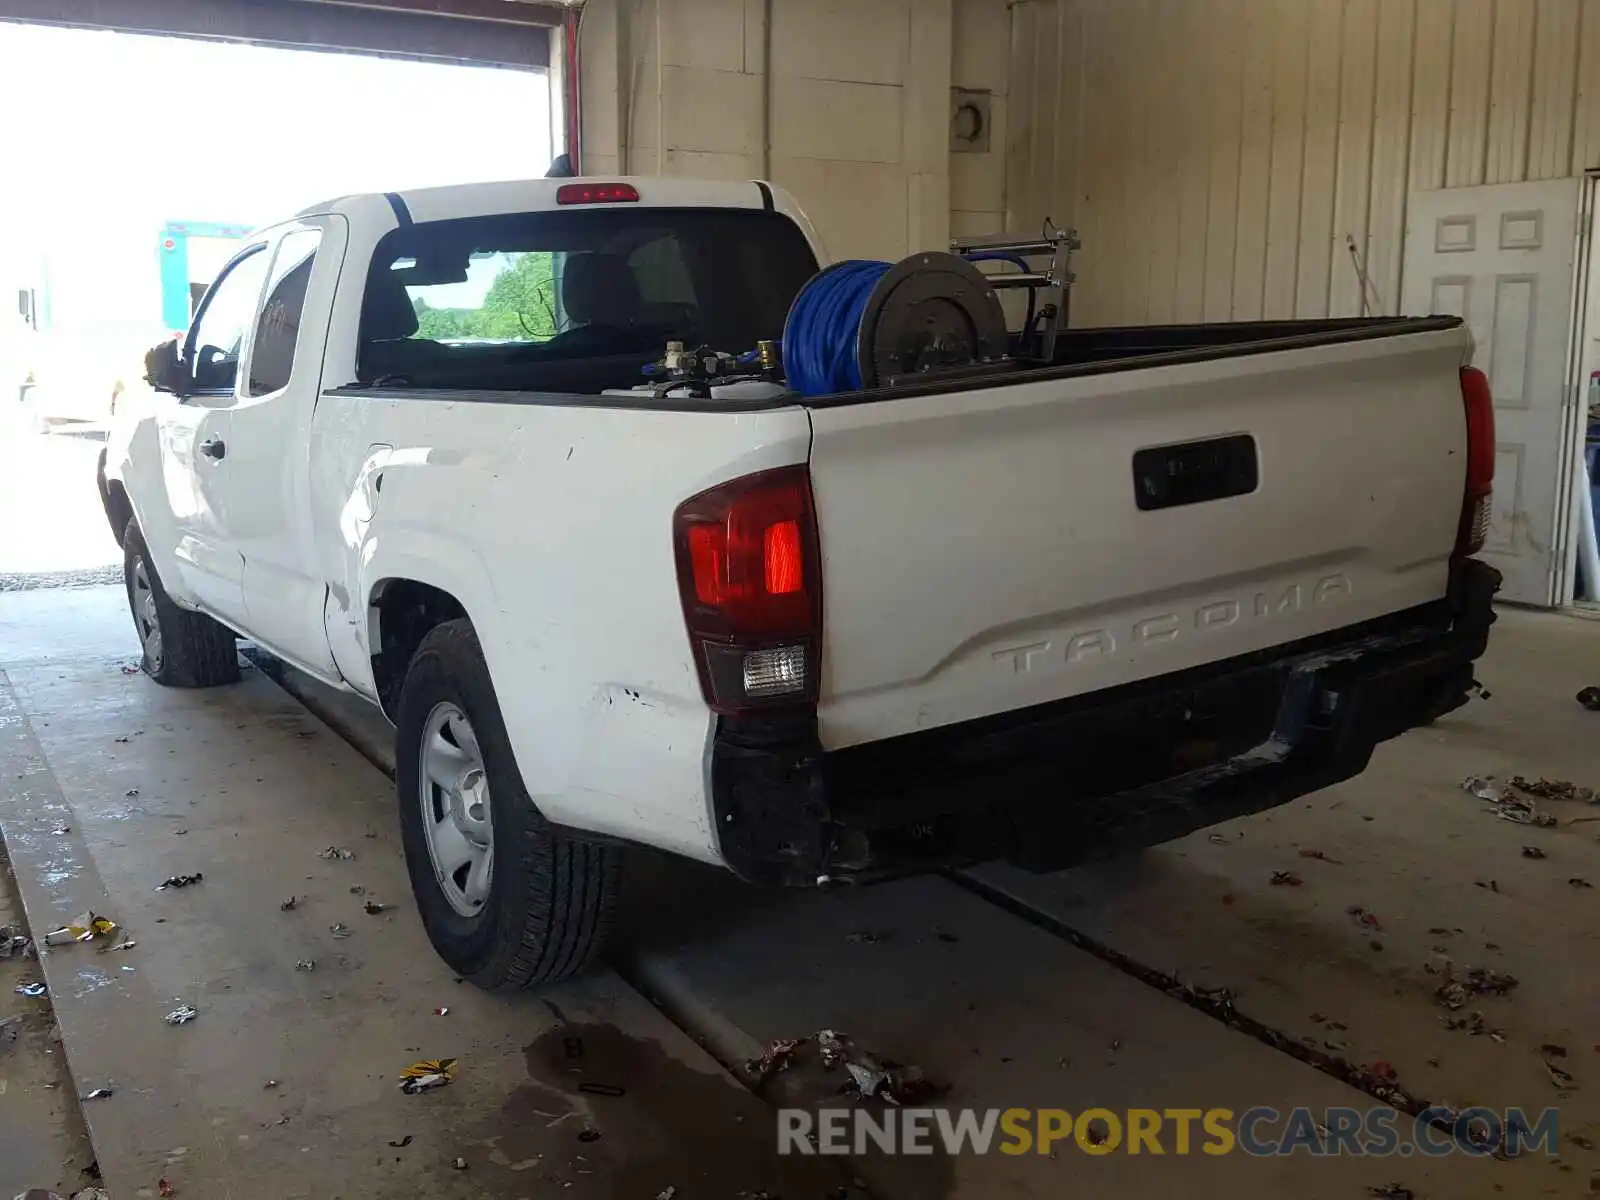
{"type": "Point", "coordinates": [986, 550]}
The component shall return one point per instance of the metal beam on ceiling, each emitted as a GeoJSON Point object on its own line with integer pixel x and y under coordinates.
{"type": "Point", "coordinates": [459, 31]}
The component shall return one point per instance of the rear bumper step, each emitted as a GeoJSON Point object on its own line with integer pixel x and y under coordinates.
{"type": "Point", "coordinates": [1095, 775]}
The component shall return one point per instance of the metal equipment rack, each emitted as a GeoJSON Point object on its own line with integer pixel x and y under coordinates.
{"type": "Point", "coordinates": [1051, 284]}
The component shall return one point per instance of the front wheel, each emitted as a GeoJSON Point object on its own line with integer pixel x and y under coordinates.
{"type": "Point", "coordinates": [181, 648]}
{"type": "Point", "coordinates": [506, 900]}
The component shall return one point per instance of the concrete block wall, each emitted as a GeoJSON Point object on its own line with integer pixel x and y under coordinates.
{"type": "Point", "coordinates": [852, 114]}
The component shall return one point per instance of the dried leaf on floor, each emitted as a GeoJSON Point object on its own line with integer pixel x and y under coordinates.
{"type": "Point", "coordinates": [1555, 789]}
{"type": "Point", "coordinates": [1285, 879]}
{"type": "Point", "coordinates": [1320, 857]}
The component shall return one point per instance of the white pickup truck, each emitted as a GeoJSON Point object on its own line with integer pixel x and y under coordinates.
{"type": "Point", "coordinates": [446, 449]}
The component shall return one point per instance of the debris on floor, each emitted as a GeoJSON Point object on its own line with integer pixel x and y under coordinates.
{"type": "Point", "coordinates": [1533, 852]}
{"type": "Point", "coordinates": [402, 1143]}
{"type": "Point", "coordinates": [1555, 789]}
{"type": "Point", "coordinates": [338, 852]}
{"type": "Point", "coordinates": [776, 1056]}
{"type": "Point", "coordinates": [181, 1015]}
{"type": "Point", "coordinates": [1473, 1025]}
{"type": "Point", "coordinates": [1285, 879]}
{"type": "Point", "coordinates": [165, 1189]}
{"type": "Point", "coordinates": [290, 904]}
{"type": "Point", "coordinates": [305, 964]}
{"type": "Point", "coordinates": [426, 1075]}
{"type": "Point", "coordinates": [1320, 856]}
{"type": "Point", "coordinates": [373, 908]}
{"type": "Point", "coordinates": [31, 988]}
{"type": "Point", "coordinates": [1475, 981]}
{"type": "Point", "coordinates": [1364, 917]}
{"type": "Point", "coordinates": [872, 1076]}
{"type": "Point", "coordinates": [100, 1093]}
{"type": "Point", "coordinates": [1562, 1080]}
{"type": "Point", "coordinates": [15, 944]}
{"type": "Point", "coordinates": [458, 1164]}
{"type": "Point", "coordinates": [442, 1011]}
{"type": "Point", "coordinates": [339, 929]}
{"type": "Point", "coordinates": [1579, 883]}
{"type": "Point", "coordinates": [179, 881]}
{"type": "Point", "coordinates": [84, 928]}
{"type": "Point", "coordinates": [1505, 803]}
{"type": "Point", "coordinates": [1391, 1191]}
{"type": "Point", "coordinates": [1590, 698]}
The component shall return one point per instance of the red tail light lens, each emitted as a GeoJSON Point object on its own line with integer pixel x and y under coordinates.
{"type": "Point", "coordinates": [750, 579]}
{"type": "Point", "coordinates": [1479, 488]}
{"type": "Point", "coordinates": [597, 193]}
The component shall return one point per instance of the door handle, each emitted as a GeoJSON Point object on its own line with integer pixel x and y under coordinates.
{"type": "Point", "coordinates": [214, 448]}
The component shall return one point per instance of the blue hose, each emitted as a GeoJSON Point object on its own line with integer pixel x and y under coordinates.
{"type": "Point", "coordinates": [820, 353]}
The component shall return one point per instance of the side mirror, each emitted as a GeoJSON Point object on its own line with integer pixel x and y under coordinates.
{"type": "Point", "coordinates": [163, 368]}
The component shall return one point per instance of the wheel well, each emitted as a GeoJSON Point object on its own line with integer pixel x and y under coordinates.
{"type": "Point", "coordinates": [119, 509]}
{"type": "Point", "coordinates": [404, 611]}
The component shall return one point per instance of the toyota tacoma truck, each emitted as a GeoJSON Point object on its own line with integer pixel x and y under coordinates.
{"type": "Point", "coordinates": [642, 530]}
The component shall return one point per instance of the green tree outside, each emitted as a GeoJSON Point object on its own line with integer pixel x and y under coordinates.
{"type": "Point", "coordinates": [519, 306]}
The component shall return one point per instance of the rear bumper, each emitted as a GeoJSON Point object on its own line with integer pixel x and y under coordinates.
{"type": "Point", "coordinates": [1088, 777]}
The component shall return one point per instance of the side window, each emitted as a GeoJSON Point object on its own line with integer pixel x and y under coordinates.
{"type": "Point", "coordinates": [278, 328]}
{"type": "Point", "coordinates": [217, 339]}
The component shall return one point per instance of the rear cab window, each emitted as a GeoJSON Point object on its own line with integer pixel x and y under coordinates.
{"type": "Point", "coordinates": [573, 301]}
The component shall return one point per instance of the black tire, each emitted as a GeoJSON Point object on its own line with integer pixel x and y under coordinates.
{"type": "Point", "coordinates": [193, 651]}
{"type": "Point", "coordinates": [550, 896]}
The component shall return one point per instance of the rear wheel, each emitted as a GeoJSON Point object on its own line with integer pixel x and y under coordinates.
{"type": "Point", "coordinates": [506, 900]}
{"type": "Point", "coordinates": [181, 648]}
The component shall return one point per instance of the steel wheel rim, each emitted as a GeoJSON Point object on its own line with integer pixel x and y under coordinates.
{"type": "Point", "coordinates": [457, 816]}
{"type": "Point", "coordinates": [145, 620]}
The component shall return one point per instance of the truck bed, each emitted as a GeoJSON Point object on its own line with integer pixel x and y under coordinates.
{"type": "Point", "coordinates": [1079, 352]}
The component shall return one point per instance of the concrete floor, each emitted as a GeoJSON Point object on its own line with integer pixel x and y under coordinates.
{"type": "Point", "coordinates": [1005, 1007]}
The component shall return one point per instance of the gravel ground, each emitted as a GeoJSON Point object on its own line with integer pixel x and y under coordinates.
{"type": "Point", "coordinates": [37, 580]}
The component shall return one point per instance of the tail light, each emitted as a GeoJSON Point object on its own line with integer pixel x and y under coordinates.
{"type": "Point", "coordinates": [750, 578]}
{"type": "Point", "coordinates": [1475, 503]}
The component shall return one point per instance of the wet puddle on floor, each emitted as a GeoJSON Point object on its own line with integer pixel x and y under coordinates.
{"type": "Point", "coordinates": [644, 1122]}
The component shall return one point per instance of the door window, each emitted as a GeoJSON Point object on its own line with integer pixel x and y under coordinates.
{"type": "Point", "coordinates": [278, 328]}
{"type": "Point", "coordinates": [217, 339]}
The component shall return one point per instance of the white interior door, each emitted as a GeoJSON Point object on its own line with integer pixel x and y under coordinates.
{"type": "Point", "coordinates": [1502, 256]}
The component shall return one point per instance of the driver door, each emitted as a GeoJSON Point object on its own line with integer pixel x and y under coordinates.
{"type": "Point", "coordinates": [194, 437]}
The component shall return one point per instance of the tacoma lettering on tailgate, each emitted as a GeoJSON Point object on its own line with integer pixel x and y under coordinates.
{"type": "Point", "coordinates": [1082, 645]}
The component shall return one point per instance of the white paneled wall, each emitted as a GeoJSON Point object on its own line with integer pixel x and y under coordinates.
{"type": "Point", "coordinates": [854, 118]}
{"type": "Point", "coordinates": [1217, 155]}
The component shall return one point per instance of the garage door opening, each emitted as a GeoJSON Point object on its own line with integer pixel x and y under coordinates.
{"type": "Point", "coordinates": [135, 163]}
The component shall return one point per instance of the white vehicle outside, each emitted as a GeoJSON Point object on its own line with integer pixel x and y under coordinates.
{"type": "Point", "coordinates": [1033, 610]}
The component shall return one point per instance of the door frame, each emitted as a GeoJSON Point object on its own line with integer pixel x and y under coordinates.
{"type": "Point", "coordinates": [1583, 356]}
